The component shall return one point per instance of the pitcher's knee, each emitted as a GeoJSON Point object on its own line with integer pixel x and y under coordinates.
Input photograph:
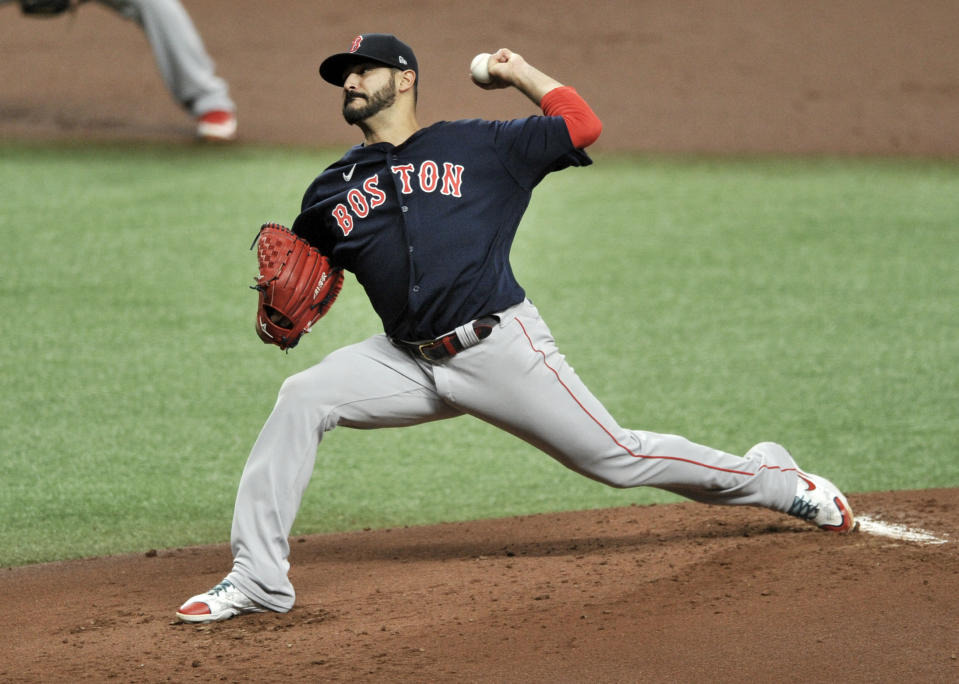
{"type": "Point", "coordinates": [612, 472]}
{"type": "Point", "coordinates": [306, 396]}
{"type": "Point", "coordinates": [311, 386]}
{"type": "Point", "coordinates": [295, 388]}
{"type": "Point", "coordinates": [617, 479]}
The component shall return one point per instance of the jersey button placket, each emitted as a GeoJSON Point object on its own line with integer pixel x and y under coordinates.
{"type": "Point", "coordinates": [404, 213]}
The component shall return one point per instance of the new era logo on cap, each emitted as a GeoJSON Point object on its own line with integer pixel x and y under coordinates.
{"type": "Point", "coordinates": [383, 48]}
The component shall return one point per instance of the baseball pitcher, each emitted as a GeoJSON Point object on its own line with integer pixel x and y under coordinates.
{"type": "Point", "coordinates": [425, 218]}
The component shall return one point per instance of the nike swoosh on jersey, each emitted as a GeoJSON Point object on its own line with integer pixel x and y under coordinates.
{"type": "Point", "coordinates": [348, 176]}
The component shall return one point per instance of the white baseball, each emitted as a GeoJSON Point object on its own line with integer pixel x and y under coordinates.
{"type": "Point", "coordinates": [479, 68]}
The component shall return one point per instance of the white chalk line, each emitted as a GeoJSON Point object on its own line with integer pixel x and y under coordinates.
{"type": "Point", "coordinates": [883, 529]}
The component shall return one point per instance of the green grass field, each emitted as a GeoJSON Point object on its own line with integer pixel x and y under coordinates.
{"type": "Point", "coordinates": [811, 302]}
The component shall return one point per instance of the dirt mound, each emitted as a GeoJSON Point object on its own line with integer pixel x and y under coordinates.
{"type": "Point", "coordinates": [680, 592]}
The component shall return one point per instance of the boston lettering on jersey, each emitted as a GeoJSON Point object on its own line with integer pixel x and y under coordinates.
{"type": "Point", "coordinates": [359, 203]}
{"type": "Point", "coordinates": [426, 226]}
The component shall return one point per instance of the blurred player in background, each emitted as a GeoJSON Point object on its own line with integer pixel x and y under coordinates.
{"type": "Point", "coordinates": [180, 55]}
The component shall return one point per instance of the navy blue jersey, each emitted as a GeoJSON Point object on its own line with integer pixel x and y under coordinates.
{"type": "Point", "coordinates": [427, 226]}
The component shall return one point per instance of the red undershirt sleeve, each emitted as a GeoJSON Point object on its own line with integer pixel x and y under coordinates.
{"type": "Point", "coordinates": [582, 123]}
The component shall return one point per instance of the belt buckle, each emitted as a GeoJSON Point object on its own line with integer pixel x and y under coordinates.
{"type": "Point", "coordinates": [421, 349]}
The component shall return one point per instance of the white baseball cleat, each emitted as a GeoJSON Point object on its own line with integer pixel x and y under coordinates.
{"type": "Point", "coordinates": [220, 603]}
{"type": "Point", "coordinates": [819, 501]}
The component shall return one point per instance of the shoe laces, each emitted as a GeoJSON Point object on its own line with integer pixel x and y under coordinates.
{"type": "Point", "coordinates": [803, 508]}
{"type": "Point", "coordinates": [222, 587]}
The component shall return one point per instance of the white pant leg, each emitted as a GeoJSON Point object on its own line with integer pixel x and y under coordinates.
{"type": "Point", "coordinates": [518, 380]}
{"type": "Point", "coordinates": [181, 57]}
{"type": "Point", "coordinates": [371, 384]}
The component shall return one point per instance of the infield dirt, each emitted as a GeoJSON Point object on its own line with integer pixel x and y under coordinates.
{"type": "Point", "coordinates": [683, 592]}
{"type": "Point", "coordinates": [666, 593]}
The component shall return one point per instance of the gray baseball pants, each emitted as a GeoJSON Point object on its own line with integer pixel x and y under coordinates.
{"type": "Point", "coordinates": [515, 379]}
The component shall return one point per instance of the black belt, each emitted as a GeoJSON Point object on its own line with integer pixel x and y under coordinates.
{"type": "Point", "coordinates": [451, 344]}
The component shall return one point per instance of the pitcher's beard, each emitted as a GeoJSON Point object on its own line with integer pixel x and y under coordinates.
{"type": "Point", "coordinates": [375, 103]}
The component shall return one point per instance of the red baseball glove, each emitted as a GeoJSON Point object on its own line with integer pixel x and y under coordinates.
{"type": "Point", "coordinates": [297, 285]}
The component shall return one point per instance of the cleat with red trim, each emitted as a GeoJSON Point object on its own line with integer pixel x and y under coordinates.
{"type": "Point", "coordinates": [819, 502]}
{"type": "Point", "coordinates": [220, 603]}
{"type": "Point", "coordinates": [217, 126]}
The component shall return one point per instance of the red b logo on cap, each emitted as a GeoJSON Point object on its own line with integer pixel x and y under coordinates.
{"type": "Point", "coordinates": [356, 43]}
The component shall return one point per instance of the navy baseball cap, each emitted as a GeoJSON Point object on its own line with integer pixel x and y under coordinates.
{"type": "Point", "coordinates": [383, 48]}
